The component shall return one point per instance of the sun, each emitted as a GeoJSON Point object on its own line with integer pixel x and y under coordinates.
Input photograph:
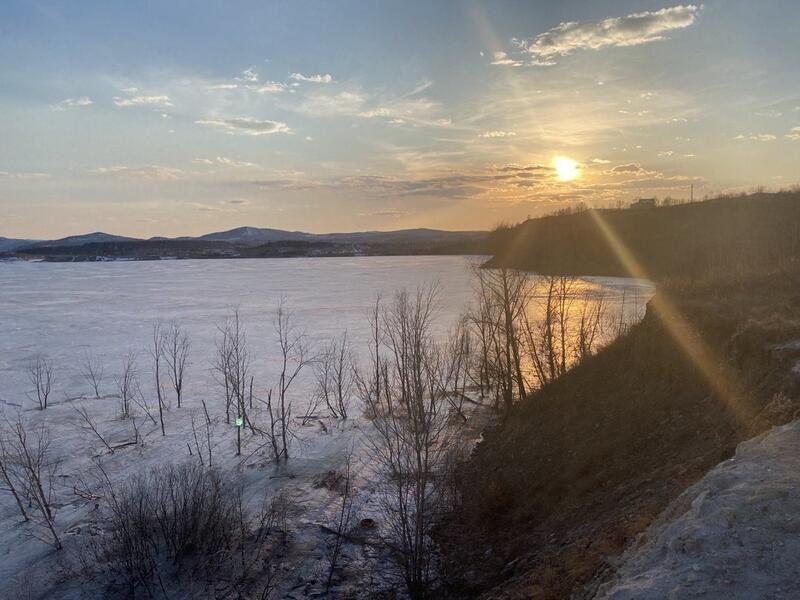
{"type": "Point", "coordinates": [566, 168]}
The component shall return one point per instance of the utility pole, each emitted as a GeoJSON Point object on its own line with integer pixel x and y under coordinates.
{"type": "Point", "coordinates": [691, 193]}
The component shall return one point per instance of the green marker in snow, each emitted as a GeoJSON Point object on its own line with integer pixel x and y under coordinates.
{"type": "Point", "coordinates": [239, 421]}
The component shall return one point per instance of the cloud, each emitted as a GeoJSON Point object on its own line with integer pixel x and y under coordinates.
{"type": "Point", "coordinates": [326, 78]}
{"type": "Point", "coordinates": [391, 213]}
{"type": "Point", "coordinates": [375, 113]}
{"type": "Point", "coordinates": [497, 134]}
{"type": "Point", "coordinates": [447, 186]}
{"type": "Point", "coordinates": [769, 113]}
{"type": "Point", "coordinates": [248, 75]}
{"type": "Point", "coordinates": [326, 104]}
{"type": "Point", "coordinates": [631, 30]}
{"type": "Point", "coordinates": [666, 153]}
{"type": "Point", "coordinates": [153, 172]}
{"type": "Point", "coordinates": [757, 137]}
{"type": "Point", "coordinates": [142, 101]}
{"type": "Point", "coordinates": [23, 175]}
{"type": "Point", "coordinates": [268, 87]}
{"type": "Point", "coordinates": [501, 58]}
{"type": "Point", "coordinates": [600, 161]}
{"type": "Point", "coordinates": [222, 160]}
{"type": "Point", "coordinates": [82, 101]}
{"type": "Point", "coordinates": [630, 169]}
{"type": "Point", "coordinates": [246, 126]}
{"type": "Point", "coordinates": [794, 134]}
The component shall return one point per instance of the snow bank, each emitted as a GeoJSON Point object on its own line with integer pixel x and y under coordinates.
{"type": "Point", "coordinates": [734, 534]}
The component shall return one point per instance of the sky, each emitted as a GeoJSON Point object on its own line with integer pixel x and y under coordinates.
{"type": "Point", "coordinates": [181, 117]}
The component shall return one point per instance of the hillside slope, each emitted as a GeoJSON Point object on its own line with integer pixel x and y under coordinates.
{"type": "Point", "coordinates": [578, 469]}
{"type": "Point", "coordinates": [689, 240]}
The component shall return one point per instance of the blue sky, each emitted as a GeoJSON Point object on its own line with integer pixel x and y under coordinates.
{"type": "Point", "coordinates": [173, 118]}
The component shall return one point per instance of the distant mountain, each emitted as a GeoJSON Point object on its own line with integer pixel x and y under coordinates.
{"type": "Point", "coordinates": [253, 242]}
{"type": "Point", "coordinates": [255, 236]}
{"type": "Point", "coordinates": [402, 236]}
{"type": "Point", "coordinates": [11, 244]}
{"type": "Point", "coordinates": [98, 237]}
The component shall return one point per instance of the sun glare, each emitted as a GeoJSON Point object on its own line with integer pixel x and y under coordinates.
{"type": "Point", "coordinates": [566, 168]}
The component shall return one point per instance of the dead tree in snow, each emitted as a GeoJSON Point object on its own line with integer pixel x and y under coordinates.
{"type": "Point", "coordinates": [35, 472]}
{"type": "Point", "coordinates": [335, 378]}
{"type": "Point", "coordinates": [157, 352]}
{"type": "Point", "coordinates": [42, 377]}
{"type": "Point", "coordinates": [343, 519]}
{"type": "Point", "coordinates": [6, 469]}
{"type": "Point", "coordinates": [127, 385]}
{"type": "Point", "coordinates": [411, 430]}
{"type": "Point", "coordinates": [233, 367]}
{"type": "Point", "coordinates": [222, 365]}
{"type": "Point", "coordinates": [86, 422]}
{"type": "Point", "coordinates": [92, 372]}
{"type": "Point", "coordinates": [294, 357]}
{"type": "Point", "coordinates": [176, 351]}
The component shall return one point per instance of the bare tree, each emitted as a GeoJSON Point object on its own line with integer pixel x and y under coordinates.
{"type": "Point", "coordinates": [503, 299]}
{"type": "Point", "coordinates": [6, 469]}
{"type": "Point", "coordinates": [590, 327]}
{"type": "Point", "coordinates": [294, 357]}
{"type": "Point", "coordinates": [36, 471]}
{"type": "Point", "coordinates": [208, 428]}
{"type": "Point", "coordinates": [42, 377]}
{"type": "Point", "coordinates": [127, 385]}
{"type": "Point", "coordinates": [222, 365]}
{"type": "Point", "coordinates": [86, 422]}
{"type": "Point", "coordinates": [343, 519]}
{"type": "Point", "coordinates": [335, 377]}
{"type": "Point", "coordinates": [176, 351]}
{"type": "Point", "coordinates": [411, 430]}
{"type": "Point", "coordinates": [157, 352]}
{"type": "Point", "coordinates": [233, 368]}
{"type": "Point", "coordinates": [92, 372]}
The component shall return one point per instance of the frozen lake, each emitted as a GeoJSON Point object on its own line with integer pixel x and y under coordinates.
{"type": "Point", "coordinates": [64, 310]}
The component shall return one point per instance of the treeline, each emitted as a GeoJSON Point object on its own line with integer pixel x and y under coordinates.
{"type": "Point", "coordinates": [726, 236]}
{"type": "Point", "coordinates": [154, 249]}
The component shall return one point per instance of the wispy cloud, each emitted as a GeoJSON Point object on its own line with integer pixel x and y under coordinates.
{"type": "Point", "coordinates": [631, 169]}
{"type": "Point", "coordinates": [502, 58]}
{"type": "Point", "coordinates": [757, 137]}
{"type": "Point", "coordinates": [794, 134]}
{"type": "Point", "coordinates": [325, 104]}
{"type": "Point", "coordinates": [268, 87]}
{"type": "Point", "coordinates": [151, 101]}
{"type": "Point", "coordinates": [222, 160]}
{"type": "Point", "coordinates": [326, 78]}
{"type": "Point", "coordinates": [79, 102]}
{"type": "Point", "coordinates": [246, 126]}
{"type": "Point", "coordinates": [154, 172]}
{"type": "Point", "coordinates": [497, 134]}
{"type": "Point", "coordinates": [631, 30]}
{"type": "Point", "coordinates": [23, 175]}
{"type": "Point", "coordinates": [248, 75]}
